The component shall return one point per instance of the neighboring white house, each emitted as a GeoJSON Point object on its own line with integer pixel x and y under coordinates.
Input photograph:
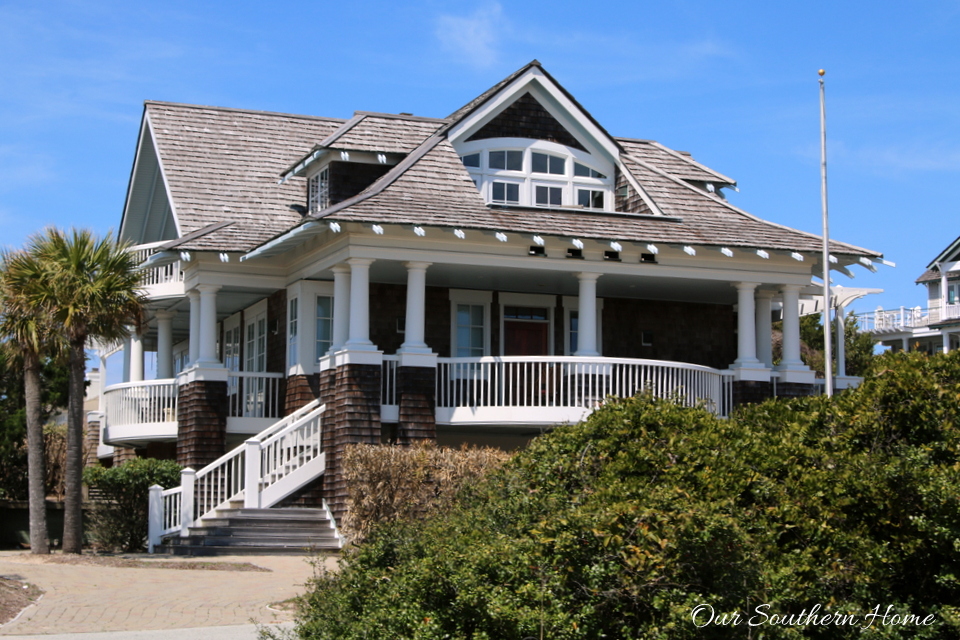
{"type": "Point", "coordinates": [933, 328]}
{"type": "Point", "coordinates": [475, 278]}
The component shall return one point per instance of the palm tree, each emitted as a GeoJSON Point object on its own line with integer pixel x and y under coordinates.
{"type": "Point", "coordinates": [91, 289]}
{"type": "Point", "coordinates": [27, 337]}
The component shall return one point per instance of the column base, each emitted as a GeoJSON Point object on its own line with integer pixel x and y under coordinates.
{"type": "Point", "coordinates": [796, 376]}
{"type": "Point", "coordinates": [350, 355]}
{"type": "Point", "coordinates": [750, 373]}
{"type": "Point", "coordinates": [202, 372]}
{"type": "Point", "coordinates": [418, 359]}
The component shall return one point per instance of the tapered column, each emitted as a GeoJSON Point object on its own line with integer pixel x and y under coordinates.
{"type": "Point", "coordinates": [746, 326]}
{"type": "Point", "coordinates": [194, 297]}
{"type": "Point", "coordinates": [165, 344]}
{"type": "Point", "coordinates": [764, 327]}
{"type": "Point", "coordinates": [416, 309]}
{"type": "Point", "coordinates": [341, 306]}
{"type": "Point", "coordinates": [208, 324]}
{"type": "Point", "coordinates": [136, 357]}
{"type": "Point", "coordinates": [791, 328]}
{"type": "Point", "coordinates": [587, 315]}
{"type": "Point", "coordinates": [360, 305]}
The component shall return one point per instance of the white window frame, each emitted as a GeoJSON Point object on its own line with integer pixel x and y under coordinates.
{"type": "Point", "coordinates": [318, 190]}
{"type": "Point", "coordinates": [483, 176]}
{"type": "Point", "coordinates": [534, 300]}
{"type": "Point", "coordinates": [249, 316]}
{"type": "Point", "coordinates": [471, 297]}
{"type": "Point", "coordinates": [306, 291]}
{"type": "Point", "coordinates": [570, 304]}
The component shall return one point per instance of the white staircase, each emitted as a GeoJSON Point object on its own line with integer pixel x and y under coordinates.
{"type": "Point", "coordinates": [255, 476]}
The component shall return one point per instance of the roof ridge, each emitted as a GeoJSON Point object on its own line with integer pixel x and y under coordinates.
{"type": "Point", "coordinates": [736, 209]}
{"type": "Point", "coordinates": [185, 105]}
{"type": "Point", "coordinates": [400, 116]}
{"type": "Point", "coordinates": [484, 97]}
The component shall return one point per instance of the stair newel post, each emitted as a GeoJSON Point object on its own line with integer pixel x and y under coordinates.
{"type": "Point", "coordinates": [155, 517]}
{"type": "Point", "coordinates": [188, 478]}
{"type": "Point", "coordinates": [251, 481]}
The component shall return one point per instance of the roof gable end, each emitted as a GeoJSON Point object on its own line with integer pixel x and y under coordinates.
{"type": "Point", "coordinates": [148, 213]}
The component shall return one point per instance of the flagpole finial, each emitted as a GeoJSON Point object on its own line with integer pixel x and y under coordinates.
{"type": "Point", "coordinates": [821, 73]}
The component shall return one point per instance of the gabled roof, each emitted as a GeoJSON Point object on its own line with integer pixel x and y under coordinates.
{"type": "Point", "coordinates": [222, 165]}
{"type": "Point", "coordinates": [949, 254]}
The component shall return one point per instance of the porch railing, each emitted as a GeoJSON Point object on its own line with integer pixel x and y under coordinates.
{"type": "Point", "coordinates": [140, 403]}
{"type": "Point", "coordinates": [157, 275]}
{"type": "Point", "coordinates": [254, 394]}
{"type": "Point", "coordinates": [881, 320]}
{"type": "Point", "coordinates": [388, 380]}
{"type": "Point", "coordinates": [256, 470]}
{"type": "Point", "coordinates": [524, 382]}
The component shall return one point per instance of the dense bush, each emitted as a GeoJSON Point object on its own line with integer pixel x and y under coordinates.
{"type": "Point", "coordinates": [119, 520]}
{"type": "Point", "coordinates": [386, 482]}
{"type": "Point", "coordinates": [621, 526]}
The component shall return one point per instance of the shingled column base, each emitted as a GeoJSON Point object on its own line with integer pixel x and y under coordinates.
{"type": "Point", "coordinates": [416, 388]}
{"type": "Point", "coordinates": [201, 422]}
{"type": "Point", "coordinates": [750, 392]}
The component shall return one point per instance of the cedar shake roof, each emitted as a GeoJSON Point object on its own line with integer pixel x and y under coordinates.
{"type": "Point", "coordinates": [438, 191]}
{"type": "Point", "coordinates": [222, 164]}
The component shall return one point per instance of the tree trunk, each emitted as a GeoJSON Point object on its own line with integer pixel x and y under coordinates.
{"type": "Point", "coordinates": [39, 542]}
{"type": "Point", "coordinates": [73, 468]}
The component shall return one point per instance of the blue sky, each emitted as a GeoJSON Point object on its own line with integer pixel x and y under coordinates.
{"type": "Point", "coordinates": [735, 83]}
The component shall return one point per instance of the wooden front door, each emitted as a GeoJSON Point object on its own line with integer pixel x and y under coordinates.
{"type": "Point", "coordinates": [525, 338]}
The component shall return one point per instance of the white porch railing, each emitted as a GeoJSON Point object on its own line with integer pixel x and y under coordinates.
{"type": "Point", "coordinates": [543, 389]}
{"type": "Point", "coordinates": [140, 410]}
{"type": "Point", "coordinates": [254, 394]}
{"type": "Point", "coordinates": [388, 380]}
{"type": "Point", "coordinates": [887, 321]}
{"type": "Point", "coordinates": [263, 470]}
{"type": "Point", "coordinates": [158, 275]}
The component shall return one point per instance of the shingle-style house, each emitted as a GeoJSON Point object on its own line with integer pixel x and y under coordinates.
{"type": "Point", "coordinates": [475, 278]}
{"type": "Point", "coordinates": [933, 329]}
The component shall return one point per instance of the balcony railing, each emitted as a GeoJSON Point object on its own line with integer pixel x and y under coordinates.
{"type": "Point", "coordinates": [166, 278]}
{"type": "Point", "coordinates": [524, 389]}
{"type": "Point", "coordinates": [254, 394]}
{"type": "Point", "coordinates": [888, 321]}
{"type": "Point", "coordinates": [140, 411]}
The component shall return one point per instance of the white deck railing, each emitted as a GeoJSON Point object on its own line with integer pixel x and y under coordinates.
{"type": "Point", "coordinates": [544, 383]}
{"type": "Point", "coordinates": [881, 321]}
{"type": "Point", "coordinates": [258, 465]}
{"type": "Point", "coordinates": [158, 275]}
{"type": "Point", "coordinates": [140, 410]}
{"type": "Point", "coordinates": [254, 394]}
{"type": "Point", "coordinates": [388, 380]}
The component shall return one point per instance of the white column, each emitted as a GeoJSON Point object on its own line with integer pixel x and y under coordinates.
{"type": "Point", "coordinates": [905, 344]}
{"type": "Point", "coordinates": [102, 382]}
{"type": "Point", "coordinates": [126, 359]}
{"type": "Point", "coordinates": [208, 324]}
{"type": "Point", "coordinates": [791, 328]}
{"type": "Point", "coordinates": [946, 341]}
{"type": "Point", "coordinates": [360, 304]}
{"type": "Point", "coordinates": [943, 293]}
{"type": "Point", "coordinates": [764, 327]}
{"type": "Point", "coordinates": [136, 357]}
{"type": "Point", "coordinates": [840, 343]}
{"type": "Point", "coordinates": [587, 315]}
{"type": "Point", "coordinates": [194, 296]}
{"type": "Point", "coordinates": [416, 309]}
{"type": "Point", "coordinates": [746, 326]}
{"type": "Point", "coordinates": [165, 344]}
{"type": "Point", "coordinates": [341, 306]}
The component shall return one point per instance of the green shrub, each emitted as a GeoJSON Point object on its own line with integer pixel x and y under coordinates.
{"type": "Point", "coordinates": [620, 526]}
{"type": "Point", "coordinates": [119, 520]}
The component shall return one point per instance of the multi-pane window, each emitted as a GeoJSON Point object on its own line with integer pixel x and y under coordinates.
{"type": "Point", "coordinates": [549, 196]}
{"type": "Point", "coordinates": [953, 293]}
{"type": "Point", "coordinates": [544, 163]}
{"type": "Point", "coordinates": [583, 171]}
{"type": "Point", "coordinates": [292, 321]}
{"type": "Point", "coordinates": [324, 325]}
{"type": "Point", "coordinates": [505, 193]}
{"type": "Point", "coordinates": [590, 198]}
{"type": "Point", "coordinates": [318, 191]}
{"type": "Point", "coordinates": [470, 330]}
{"type": "Point", "coordinates": [507, 160]}
{"type": "Point", "coordinates": [472, 160]}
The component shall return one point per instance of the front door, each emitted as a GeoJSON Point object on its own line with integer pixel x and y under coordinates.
{"type": "Point", "coordinates": [254, 388]}
{"type": "Point", "coordinates": [526, 331]}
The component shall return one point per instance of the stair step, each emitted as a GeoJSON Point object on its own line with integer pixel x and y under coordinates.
{"type": "Point", "coordinates": [259, 532]}
{"type": "Point", "coordinates": [209, 550]}
{"type": "Point", "coordinates": [262, 524]}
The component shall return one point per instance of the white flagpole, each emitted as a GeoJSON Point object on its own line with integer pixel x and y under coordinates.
{"type": "Point", "coordinates": [827, 325]}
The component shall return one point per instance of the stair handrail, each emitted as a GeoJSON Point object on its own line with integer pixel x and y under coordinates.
{"type": "Point", "coordinates": [288, 450]}
{"type": "Point", "coordinates": [190, 502]}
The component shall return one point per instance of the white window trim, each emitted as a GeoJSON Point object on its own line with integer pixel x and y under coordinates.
{"type": "Point", "coordinates": [468, 296]}
{"type": "Point", "coordinates": [535, 300]}
{"type": "Point", "coordinates": [572, 303]}
{"type": "Point", "coordinates": [306, 291]}
{"type": "Point", "coordinates": [249, 314]}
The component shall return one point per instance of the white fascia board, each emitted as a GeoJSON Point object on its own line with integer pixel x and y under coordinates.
{"type": "Point", "coordinates": [552, 99]}
{"type": "Point", "coordinates": [133, 173]}
{"type": "Point", "coordinates": [163, 174]}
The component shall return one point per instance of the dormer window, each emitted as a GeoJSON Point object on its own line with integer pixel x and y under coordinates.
{"type": "Point", "coordinates": [538, 173]}
{"type": "Point", "coordinates": [318, 191]}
